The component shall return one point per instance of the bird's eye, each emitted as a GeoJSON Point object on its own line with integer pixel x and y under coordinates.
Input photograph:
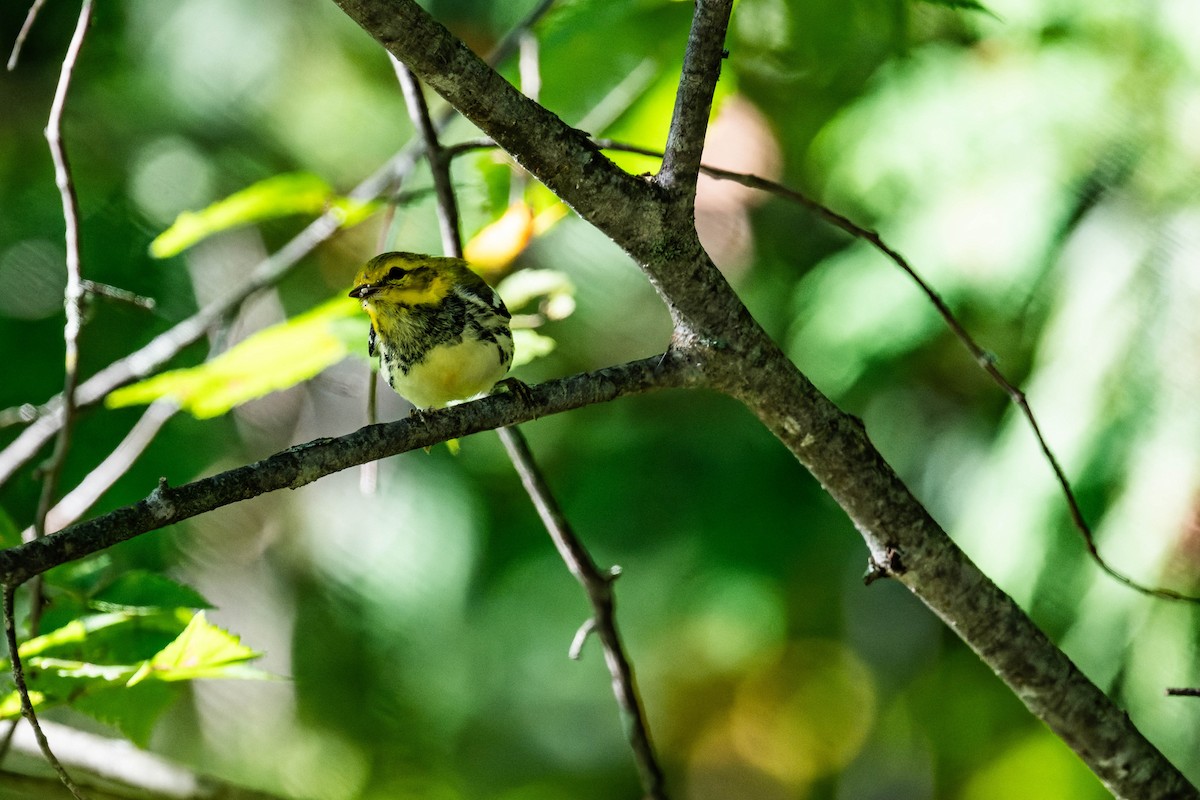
{"type": "Point", "coordinates": [396, 273]}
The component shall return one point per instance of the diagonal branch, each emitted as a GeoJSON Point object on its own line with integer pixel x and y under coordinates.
{"type": "Point", "coordinates": [560, 156]}
{"type": "Point", "coordinates": [597, 585]}
{"type": "Point", "coordinates": [982, 358]}
{"type": "Point", "coordinates": [305, 463]}
{"type": "Point", "coordinates": [693, 101]}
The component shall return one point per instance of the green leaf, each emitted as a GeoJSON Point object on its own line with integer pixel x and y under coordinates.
{"type": "Point", "coordinates": [132, 710]}
{"type": "Point", "coordinates": [203, 650]}
{"type": "Point", "coordinates": [277, 196]}
{"type": "Point", "coordinates": [138, 591]}
{"type": "Point", "coordinates": [74, 632]}
{"type": "Point", "coordinates": [272, 359]}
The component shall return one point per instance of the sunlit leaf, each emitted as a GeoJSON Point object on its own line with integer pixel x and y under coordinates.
{"type": "Point", "coordinates": [272, 359]}
{"type": "Point", "coordinates": [203, 650]}
{"type": "Point", "coordinates": [277, 196]}
{"type": "Point", "coordinates": [10, 706]}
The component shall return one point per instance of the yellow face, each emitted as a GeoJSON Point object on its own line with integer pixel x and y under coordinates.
{"type": "Point", "coordinates": [401, 279]}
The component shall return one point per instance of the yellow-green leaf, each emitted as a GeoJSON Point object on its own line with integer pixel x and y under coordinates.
{"type": "Point", "coordinates": [272, 359]}
{"type": "Point", "coordinates": [277, 196]}
{"type": "Point", "coordinates": [203, 650]}
{"type": "Point", "coordinates": [10, 705]}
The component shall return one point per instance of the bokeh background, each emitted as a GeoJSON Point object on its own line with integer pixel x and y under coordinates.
{"type": "Point", "coordinates": [1037, 164]}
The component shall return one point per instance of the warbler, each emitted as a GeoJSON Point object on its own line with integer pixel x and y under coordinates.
{"type": "Point", "coordinates": [441, 333]}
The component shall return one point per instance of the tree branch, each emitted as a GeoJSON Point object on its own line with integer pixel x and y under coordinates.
{"type": "Point", "coordinates": [18, 673]}
{"type": "Point", "coordinates": [560, 156]}
{"type": "Point", "coordinates": [305, 463]}
{"type": "Point", "coordinates": [693, 101]}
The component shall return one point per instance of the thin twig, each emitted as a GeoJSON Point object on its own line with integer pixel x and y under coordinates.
{"type": "Point", "coordinates": [1186, 691]}
{"type": "Point", "coordinates": [597, 585]}
{"type": "Point", "coordinates": [985, 360]}
{"type": "Point", "coordinates": [439, 165]}
{"type": "Point", "coordinates": [119, 294]}
{"type": "Point", "coordinates": [74, 290]}
{"type": "Point", "coordinates": [73, 297]}
{"type": "Point", "coordinates": [18, 673]}
{"type": "Point", "coordinates": [26, 27]}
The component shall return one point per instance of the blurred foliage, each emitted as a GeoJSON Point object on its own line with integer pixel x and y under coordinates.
{"type": "Point", "coordinates": [1036, 163]}
{"type": "Point", "coordinates": [125, 637]}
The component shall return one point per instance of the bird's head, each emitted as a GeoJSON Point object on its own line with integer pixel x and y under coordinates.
{"type": "Point", "coordinates": [403, 279]}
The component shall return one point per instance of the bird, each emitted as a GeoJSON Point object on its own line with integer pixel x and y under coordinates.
{"type": "Point", "coordinates": [441, 332]}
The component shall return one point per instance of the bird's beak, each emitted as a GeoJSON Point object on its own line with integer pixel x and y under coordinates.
{"type": "Point", "coordinates": [364, 291]}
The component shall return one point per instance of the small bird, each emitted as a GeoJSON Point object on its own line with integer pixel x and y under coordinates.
{"type": "Point", "coordinates": [441, 333]}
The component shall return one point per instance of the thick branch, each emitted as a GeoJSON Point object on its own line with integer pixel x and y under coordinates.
{"type": "Point", "coordinates": [693, 102]}
{"type": "Point", "coordinates": [305, 463]}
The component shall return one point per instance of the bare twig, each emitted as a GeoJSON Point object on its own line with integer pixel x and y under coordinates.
{"type": "Point", "coordinates": [74, 295]}
{"type": "Point", "coordinates": [74, 290]}
{"type": "Point", "coordinates": [26, 27]}
{"type": "Point", "coordinates": [439, 165]}
{"type": "Point", "coordinates": [121, 295]}
{"type": "Point", "coordinates": [597, 585]}
{"type": "Point", "coordinates": [18, 673]}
